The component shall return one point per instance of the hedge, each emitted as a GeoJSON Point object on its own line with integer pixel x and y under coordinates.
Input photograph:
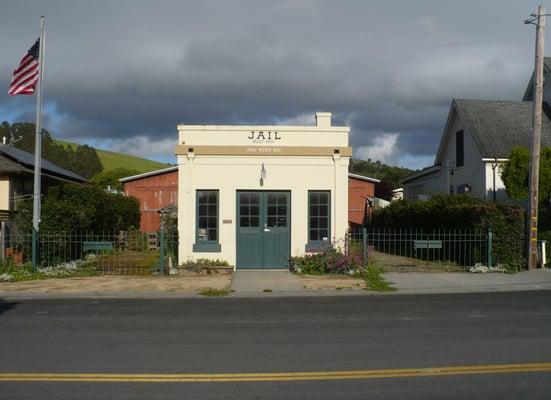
{"type": "Point", "coordinates": [463, 212]}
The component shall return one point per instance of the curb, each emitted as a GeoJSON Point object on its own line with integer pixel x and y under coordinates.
{"type": "Point", "coordinates": [7, 296]}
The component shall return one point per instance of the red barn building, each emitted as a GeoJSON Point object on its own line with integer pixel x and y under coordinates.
{"type": "Point", "coordinates": [360, 189]}
{"type": "Point", "coordinates": [155, 190]}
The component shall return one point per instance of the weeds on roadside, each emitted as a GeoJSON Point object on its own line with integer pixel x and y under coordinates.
{"type": "Point", "coordinates": [374, 280]}
{"type": "Point", "coordinates": [212, 292]}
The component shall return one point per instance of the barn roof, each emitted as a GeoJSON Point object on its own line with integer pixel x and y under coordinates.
{"type": "Point", "coordinates": [363, 178]}
{"type": "Point", "coordinates": [148, 174]}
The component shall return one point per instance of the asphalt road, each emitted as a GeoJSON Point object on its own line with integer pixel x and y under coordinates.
{"type": "Point", "coordinates": [278, 335]}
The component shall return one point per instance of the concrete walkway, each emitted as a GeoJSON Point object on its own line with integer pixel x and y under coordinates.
{"type": "Point", "coordinates": [265, 281]}
{"type": "Point", "coordinates": [449, 282]}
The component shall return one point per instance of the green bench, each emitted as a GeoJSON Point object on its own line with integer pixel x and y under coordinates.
{"type": "Point", "coordinates": [427, 245]}
{"type": "Point", "coordinates": [96, 246]}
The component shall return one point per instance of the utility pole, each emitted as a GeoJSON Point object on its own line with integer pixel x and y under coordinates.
{"type": "Point", "coordinates": [536, 140]}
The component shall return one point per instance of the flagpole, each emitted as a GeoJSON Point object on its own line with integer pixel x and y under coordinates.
{"type": "Point", "coordinates": [38, 149]}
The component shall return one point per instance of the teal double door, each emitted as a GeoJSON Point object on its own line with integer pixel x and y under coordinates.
{"type": "Point", "coordinates": [263, 236]}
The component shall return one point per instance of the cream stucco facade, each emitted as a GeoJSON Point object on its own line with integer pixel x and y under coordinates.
{"type": "Point", "coordinates": [229, 160]}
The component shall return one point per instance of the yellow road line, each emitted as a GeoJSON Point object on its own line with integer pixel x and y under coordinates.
{"type": "Point", "coordinates": [282, 376]}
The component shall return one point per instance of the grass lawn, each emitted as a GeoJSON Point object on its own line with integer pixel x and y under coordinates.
{"type": "Point", "coordinates": [129, 262]}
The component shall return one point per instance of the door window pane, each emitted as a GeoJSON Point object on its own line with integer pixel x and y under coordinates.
{"type": "Point", "coordinates": [249, 210]}
{"type": "Point", "coordinates": [276, 210]}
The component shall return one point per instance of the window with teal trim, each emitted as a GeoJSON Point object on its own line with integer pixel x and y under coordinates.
{"type": "Point", "coordinates": [319, 216]}
{"type": "Point", "coordinates": [207, 221]}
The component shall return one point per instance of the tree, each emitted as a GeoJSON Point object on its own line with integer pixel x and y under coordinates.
{"type": "Point", "coordinates": [515, 174]}
{"type": "Point", "coordinates": [110, 178]}
{"type": "Point", "coordinates": [390, 176]}
{"type": "Point", "coordinates": [71, 207]}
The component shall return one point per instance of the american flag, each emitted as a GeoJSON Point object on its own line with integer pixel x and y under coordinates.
{"type": "Point", "coordinates": [25, 75]}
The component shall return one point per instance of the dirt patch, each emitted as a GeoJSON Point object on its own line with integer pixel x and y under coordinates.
{"type": "Point", "coordinates": [186, 283]}
{"type": "Point", "coordinates": [393, 263]}
{"type": "Point", "coordinates": [331, 282]}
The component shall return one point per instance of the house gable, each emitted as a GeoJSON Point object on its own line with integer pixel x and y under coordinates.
{"type": "Point", "coordinates": [529, 92]}
{"type": "Point", "coordinates": [458, 177]}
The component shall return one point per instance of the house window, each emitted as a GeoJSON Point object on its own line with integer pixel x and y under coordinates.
{"type": "Point", "coordinates": [459, 149]}
{"type": "Point", "coordinates": [318, 217]}
{"type": "Point", "coordinates": [416, 190]}
{"type": "Point", "coordinates": [206, 238]}
{"type": "Point", "coordinates": [465, 188]}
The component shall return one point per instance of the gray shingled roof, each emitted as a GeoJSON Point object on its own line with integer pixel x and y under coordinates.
{"type": "Point", "coordinates": [529, 92]}
{"type": "Point", "coordinates": [420, 173]}
{"type": "Point", "coordinates": [12, 157]}
{"type": "Point", "coordinates": [498, 126]}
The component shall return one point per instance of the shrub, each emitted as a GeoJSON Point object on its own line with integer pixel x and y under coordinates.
{"type": "Point", "coordinates": [110, 178]}
{"type": "Point", "coordinates": [10, 272]}
{"type": "Point", "coordinates": [463, 212]}
{"type": "Point", "coordinates": [331, 260]}
{"type": "Point", "coordinates": [72, 207]}
{"type": "Point", "coordinates": [203, 264]}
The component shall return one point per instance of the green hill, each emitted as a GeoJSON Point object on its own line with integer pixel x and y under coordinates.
{"type": "Point", "coordinates": [111, 160]}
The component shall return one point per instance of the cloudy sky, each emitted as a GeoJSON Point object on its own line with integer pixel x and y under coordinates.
{"type": "Point", "coordinates": [121, 74]}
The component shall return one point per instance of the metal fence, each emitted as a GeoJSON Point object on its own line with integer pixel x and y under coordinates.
{"type": "Point", "coordinates": [117, 253]}
{"type": "Point", "coordinates": [405, 247]}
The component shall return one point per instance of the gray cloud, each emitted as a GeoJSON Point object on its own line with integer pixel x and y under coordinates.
{"type": "Point", "coordinates": [129, 72]}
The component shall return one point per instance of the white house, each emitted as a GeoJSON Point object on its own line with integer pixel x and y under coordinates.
{"type": "Point", "coordinates": [256, 195]}
{"type": "Point", "coordinates": [478, 137]}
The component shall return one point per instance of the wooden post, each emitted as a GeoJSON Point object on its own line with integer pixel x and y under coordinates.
{"type": "Point", "coordinates": [489, 245]}
{"type": "Point", "coordinates": [536, 139]}
{"type": "Point", "coordinates": [364, 245]}
{"type": "Point", "coordinates": [2, 240]}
